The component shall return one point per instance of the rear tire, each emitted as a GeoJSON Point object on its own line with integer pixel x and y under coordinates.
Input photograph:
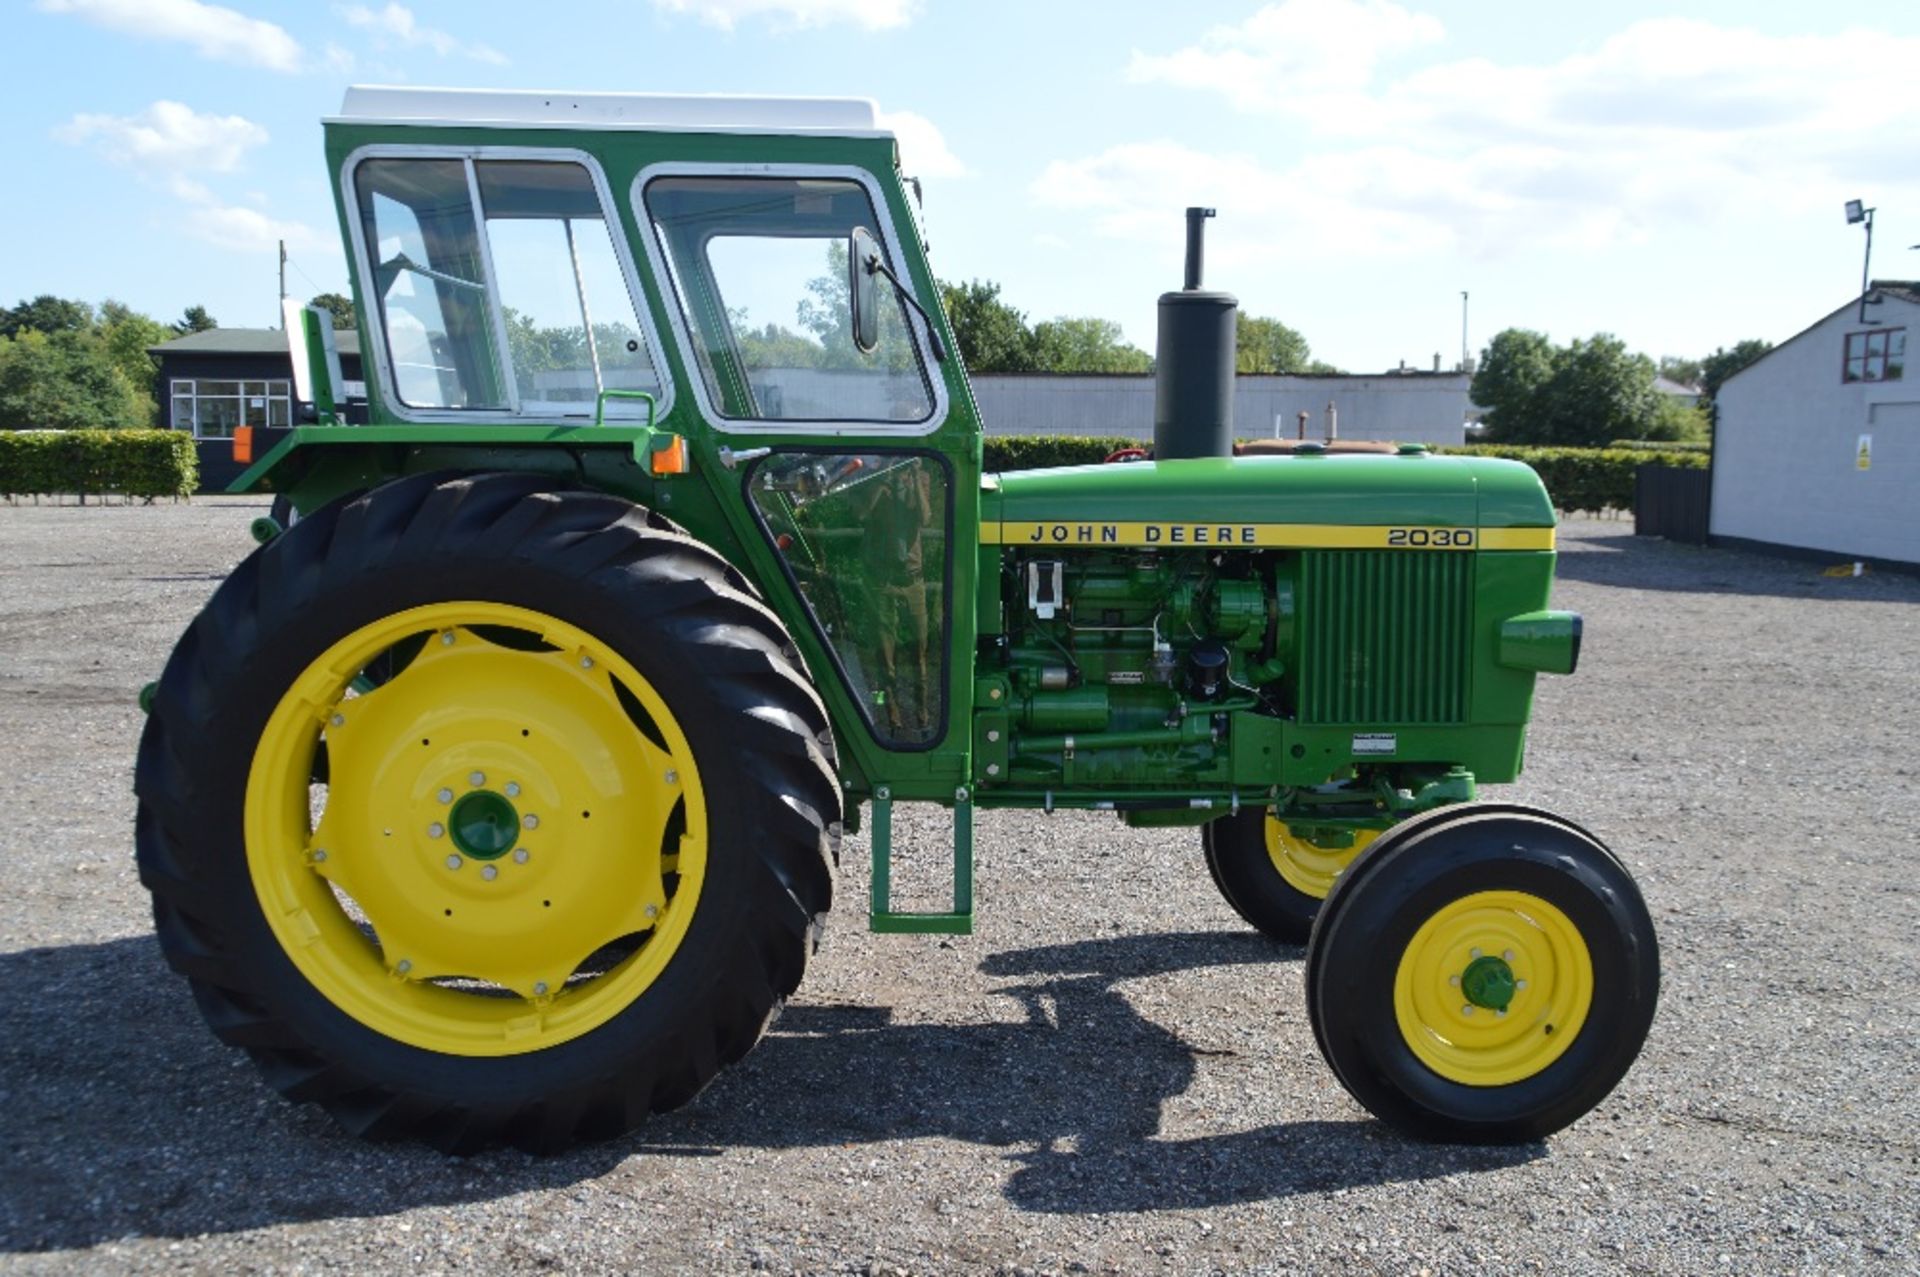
{"type": "Point", "coordinates": [654, 689]}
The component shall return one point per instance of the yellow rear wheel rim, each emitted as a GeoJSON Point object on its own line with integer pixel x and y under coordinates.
{"type": "Point", "coordinates": [1548, 977]}
{"type": "Point", "coordinates": [516, 800]}
{"type": "Point", "coordinates": [1308, 869]}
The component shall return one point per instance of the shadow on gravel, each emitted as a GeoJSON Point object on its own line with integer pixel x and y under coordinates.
{"type": "Point", "coordinates": [124, 1117]}
{"type": "Point", "coordinates": [1074, 1091]}
{"type": "Point", "coordinates": [1650, 563]}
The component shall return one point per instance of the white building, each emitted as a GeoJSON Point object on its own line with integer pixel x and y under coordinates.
{"type": "Point", "coordinates": [1818, 443]}
{"type": "Point", "coordinates": [1404, 407]}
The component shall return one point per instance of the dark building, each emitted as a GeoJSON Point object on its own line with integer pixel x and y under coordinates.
{"type": "Point", "coordinates": [213, 381]}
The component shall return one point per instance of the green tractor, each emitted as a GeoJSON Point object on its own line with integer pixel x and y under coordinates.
{"type": "Point", "coordinates": [497, 798]}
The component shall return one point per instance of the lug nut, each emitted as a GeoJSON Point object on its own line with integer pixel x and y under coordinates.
{"type": "Point", "coordinates": [586, 662]}
{"type": "Point", "coordinates": [1467, 1009]}
{"type": "Point", "coordinates": [1474, 953]}
{"type": "Point", "coordinates": [338, 720]}
{"type": "Point", "coordinates": [513, 789]}
{"type": "Point", "coordinates": [652, 911]}
{"type": "Point", "coordinates": [1506, 955]}
{"type": "Point", "coordinates": [520, 856]}
{"type": "Point", "coordinates": [476, 779]}
{"type": "Point", "coordinates": [1454, 980]}
{"type": "Point", "coordinates": [454, 862]}
{"type": "Point", "coordinates": [673, 777]}
{"type": "Point", "coordinates": [489, 872]}
{"type": "Point", "coordinates": [540, 988]}
{"type": "Point", "coordinates": [1519, 984]}
{"type": "Point", "coordinates": [319, 854]}
{"type": "Point", "coordinates": [446, 639]}
{"type": "Point", "coordinates": [530, 821]}
{"type": "Point", "coordinates": [445, 795]}
{"type": "Point", "coordinates": [436, 829]}
{"type": "Point", "coordinates": [403, 966]}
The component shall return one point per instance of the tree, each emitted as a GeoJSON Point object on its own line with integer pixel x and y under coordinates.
{"type": "Point", "coordinates": [1676, 422]}
{"type": "Point", "coordinates": [1585, 394]}
{"type": "Point", "coordinates": [128, 335]}
{"type": "Point", "coordinates": [194, 319]}
{"type": "Point", "coordinates": [1513, 368]}
{"type": "Point", "coordinates": [992, 336]}
{"type": "Point", "coordinates": [338, 305]}
{"type": "Point", "coordinates": [46, 314]}
{"type": "Point", "coordinates": [1263, 345]}
{"type": "Point", "coordinates": [1686, 372]}
{"type": "Point", "coordinates": [66, 381]}
{"type": "Point", "coordinates": [1599, 392]}
{"type": "Point", "coordinates": [1085, 345]}
{"type": "Point", "coordinates": [1723, 363]}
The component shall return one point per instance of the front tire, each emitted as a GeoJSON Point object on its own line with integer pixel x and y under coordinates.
{"type": "Point", "coordinates": [1485, 975]}
{"type": "Point", "coordinates": [544, 876]}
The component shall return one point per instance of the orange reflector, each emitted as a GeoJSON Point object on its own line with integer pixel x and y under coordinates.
{"type": "Point", "coordinates": [670, 457]}
{"type": "Point", "coordinates": [243, 444]}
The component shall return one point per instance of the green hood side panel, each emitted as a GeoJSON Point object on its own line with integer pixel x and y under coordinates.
{"type": "Point", "coordinates": [1356, 491]}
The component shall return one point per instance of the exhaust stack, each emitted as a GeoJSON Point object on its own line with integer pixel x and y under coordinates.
{"type": "Point", "coordinates": [1193, 378]}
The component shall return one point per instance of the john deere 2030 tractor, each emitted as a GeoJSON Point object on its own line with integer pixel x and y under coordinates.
{"type": "Point", "coordinates": [496, 797]}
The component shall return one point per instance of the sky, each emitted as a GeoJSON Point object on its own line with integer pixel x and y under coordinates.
{"type": "Point", "coordinates": [1674, 175]}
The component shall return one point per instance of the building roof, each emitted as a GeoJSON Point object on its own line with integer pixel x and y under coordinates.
{"type": "Point", "coordinates": [680, 113]}
{"type": "Point", "coordinates": [1679, 389]}
{"type": "Point", "coordinates": [1900, 290]}
{"type": "Point", "coordinates": [246, 341]}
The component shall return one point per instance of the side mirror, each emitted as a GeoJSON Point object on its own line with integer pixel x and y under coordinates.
{"type": "Point", "coordinates": [863, 291]}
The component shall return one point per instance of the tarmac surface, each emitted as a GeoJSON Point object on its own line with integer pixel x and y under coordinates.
{"type": "Point", "coordinates": [1111, 1075]}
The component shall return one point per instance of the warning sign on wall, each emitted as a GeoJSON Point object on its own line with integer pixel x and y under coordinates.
{"type": "Point", "coordinates": [1863, 459]}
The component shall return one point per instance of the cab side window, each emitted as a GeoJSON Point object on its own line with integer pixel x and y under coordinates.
{"type": "Point", "coordinates": [759, 266]}
{"type": "Point", "coordinates": [521, 305]}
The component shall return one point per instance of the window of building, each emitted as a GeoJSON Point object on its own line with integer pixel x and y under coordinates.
{"type": "Point", "coordinates": [211, 409]}
{"type": "Point", "coordinates": [759, 266]}
{"type": "Point", "coordinates": [1879, 355]}
{"type": "Point", "coordinates": [523, 305]}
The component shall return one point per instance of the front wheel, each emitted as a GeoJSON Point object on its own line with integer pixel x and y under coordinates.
{"type": "Point", "coordinates": [1487, 975]}
{"type": "Point", "coordinates": [479, 811]}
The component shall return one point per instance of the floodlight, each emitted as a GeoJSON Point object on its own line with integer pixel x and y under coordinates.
{"type": "Point", "coordinates": [1856, 212]}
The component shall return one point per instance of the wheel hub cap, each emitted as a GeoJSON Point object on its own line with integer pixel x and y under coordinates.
{"type": "Point", "coordinates": [484, 825]}
{"type": "Point", "coordinates": [1488, 982]}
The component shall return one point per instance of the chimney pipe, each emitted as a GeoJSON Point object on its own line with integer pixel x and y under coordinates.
{"type": "Point", "coordinates": [1196, 246]}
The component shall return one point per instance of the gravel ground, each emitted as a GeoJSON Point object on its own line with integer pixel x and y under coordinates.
{"type": "Point", "coordinates": [1112, 1074]}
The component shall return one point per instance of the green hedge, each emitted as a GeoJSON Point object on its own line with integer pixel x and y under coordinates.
{"type": "Point", "coordinates": [1042, 452]}
{"type": "Point", "coordinates": [1593, 479]}
{"type": "Point", "coordinates": [1662, 445]}
{"type": "Point", "coordinates": [1577, 479]}
{"type": "Point", "coordinates": [132, 463]}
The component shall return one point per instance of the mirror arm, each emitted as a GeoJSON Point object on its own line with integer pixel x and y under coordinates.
{"type": "Point", "coordinates": [876, 267]}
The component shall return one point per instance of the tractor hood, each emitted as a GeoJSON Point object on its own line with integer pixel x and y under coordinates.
{"type": "Point", "coordinates": [1268, 501]}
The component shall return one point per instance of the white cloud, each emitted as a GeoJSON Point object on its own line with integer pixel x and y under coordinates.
{"type": "Point", "coordinates": [874, 15]}
{"type": "Point", "coordinates": [1669, 122]}
{"type": "Point", "coordinates": [395, 26]}
{"type": "Point", "coordinates": [923, 150]}
{"type": "Point", "coordinates": [167, 138]}
{"type": "Point", "coordinates": [248, 230]}
{"type": "Point", "coordinates": [1285, 54]}
{"type": "Point", "coordinates": [171, 145]}
{"type": "Point", "coordinates": [214, 31]}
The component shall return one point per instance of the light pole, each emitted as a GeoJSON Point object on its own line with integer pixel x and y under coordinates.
{"type": "Point", "coordinates": [1857, 214]}
{"type": "Point", "coordinates": [1463, 330]}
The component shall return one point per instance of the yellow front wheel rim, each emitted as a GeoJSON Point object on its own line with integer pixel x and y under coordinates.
{"type": "Point", "coordinates": [511, 839]}
{"type": "Point", "coordinates": [1308, 869]}
{"type": "Point", "coordinates": [1493, 988]}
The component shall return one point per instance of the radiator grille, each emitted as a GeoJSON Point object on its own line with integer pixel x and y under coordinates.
{"type": "Point", "coordinates": [1385, 636]}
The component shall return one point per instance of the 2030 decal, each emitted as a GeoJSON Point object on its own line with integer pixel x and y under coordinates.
{"type": "Point", "coordinates": [1454, 538]}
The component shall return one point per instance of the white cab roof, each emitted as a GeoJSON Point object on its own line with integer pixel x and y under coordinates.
{"type": "Point", "coordinates": [680, 113]}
